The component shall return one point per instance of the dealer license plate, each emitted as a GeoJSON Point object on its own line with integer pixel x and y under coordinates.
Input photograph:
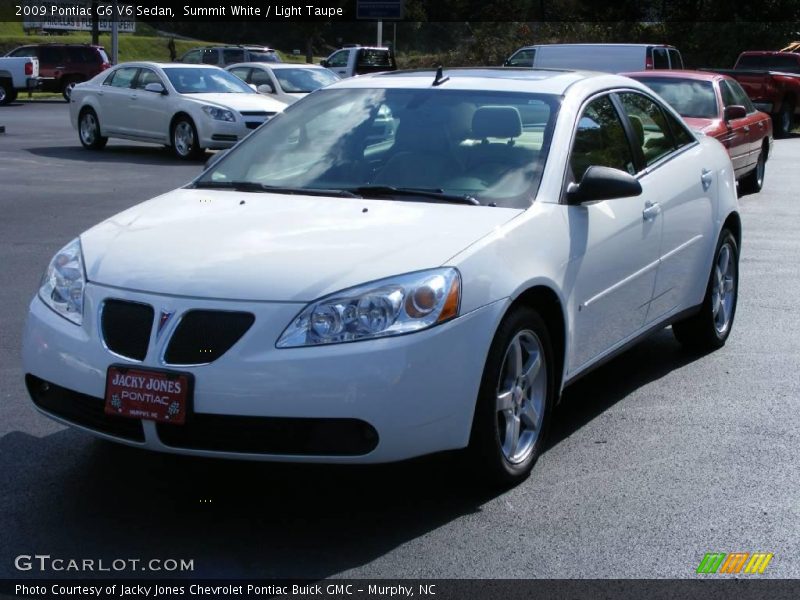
{"type": "Point", "coordinates": [153, 395]}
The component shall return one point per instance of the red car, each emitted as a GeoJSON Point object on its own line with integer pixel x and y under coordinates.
{"type": "Point", "coordinates": [717, 106]}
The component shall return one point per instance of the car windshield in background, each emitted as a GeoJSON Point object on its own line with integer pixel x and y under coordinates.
{"type": "Point", "coordinates": [269, 57]}
{"type": "Point", "coordinates": [690, 97]}
{"type": "Point", "coordinates": [303, 81]}
{"type": "Point", "coordinates": [483, 147]}
{"type": "Point", "coordinates": [205, 81]}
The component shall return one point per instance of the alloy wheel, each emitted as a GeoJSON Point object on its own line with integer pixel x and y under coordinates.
{"type": "Point", "coordinates": [88, 128]}
{"type": "Point", "coordinates": [521, 396]}
{"type": "Point", "coordinates": [184, 138]}
{"type": "Point", "coordinates": [723, 294]}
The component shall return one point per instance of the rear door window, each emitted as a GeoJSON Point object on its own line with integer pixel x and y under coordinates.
{"type": "Point", "coordinates": [210, 56]}
{"type": "Point", "coordinates": [122, 78]}
{"type": "Point", "coordinates": [232, 56]}
{"type": "Point", "coordinates": [50, 56]}
{"type": "Point", "coordinates": [523, 58]}
{"type": "Point", "coordinates": [675, 60]}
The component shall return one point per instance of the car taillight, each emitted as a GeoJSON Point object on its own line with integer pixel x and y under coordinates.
{"type": "Point", "coordinates": [648, 62]}
{"type": "Point", "coordinates": [28, 68]}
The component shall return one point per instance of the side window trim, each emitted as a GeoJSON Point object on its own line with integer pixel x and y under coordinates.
{"type": "Point", "coordinates": [636, 149]}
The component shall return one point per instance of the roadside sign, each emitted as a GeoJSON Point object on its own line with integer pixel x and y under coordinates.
{"type": "Point", "coordinates": [380, 10]}
{"type": "Point", "coordinates": [75, 15]}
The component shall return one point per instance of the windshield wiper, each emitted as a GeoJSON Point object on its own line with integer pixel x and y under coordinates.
{"type": "Point", "coordinates": [377, 191]}
{"type": "Point", "coordinates": [252, 186]}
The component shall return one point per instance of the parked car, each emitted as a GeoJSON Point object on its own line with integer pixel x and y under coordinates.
{"type": "Point", "coordinates": [772, 82]}
{"type": "Point", "coordinates": [188, 107]}
{"type": "Point", "coordinates": [223, 56]}
{"type": "Point", "coordinates": [287, 82]}
{"type": "Point", "coordinates": [717, 106]}
{"type": "Point", "coordinates": [63, 66]}
{"type": "Point", "coordinates": [360, 60]}
{"type": "Point", "coordinates": [611, 58]}
{"type": "Point", "coordinates": [17, 73]}
{"type": "Point", "coordinates": [371, 295]}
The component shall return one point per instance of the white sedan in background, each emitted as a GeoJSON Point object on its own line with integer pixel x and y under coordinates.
{"type": "Point", "coordinates": [400, 264]}
{"type": "Point", "coordinates": [287, 82]}
{"type": "Point", "coordinates": [187, 107]}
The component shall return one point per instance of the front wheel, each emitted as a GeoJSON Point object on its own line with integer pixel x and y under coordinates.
{"type": "Point", "coordinates": [710, 328]}
{"type": "Point", "coordinates": [185, 143]}
{"type": "Point", "coordinates": [7, 92]}
{"type": "Point", "coordinates": [89, 131]}
{"type": "Point", "coordinates": [515, 399]}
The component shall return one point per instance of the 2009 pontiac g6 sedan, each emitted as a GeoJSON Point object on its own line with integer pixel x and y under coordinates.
{"type": "Point", "coordinates": [396, 265]}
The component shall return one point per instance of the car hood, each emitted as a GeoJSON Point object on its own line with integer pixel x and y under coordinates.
{"type": "Point", "coordinates": [239, 102]}
{"type": "Point", "coordinates": [712, 127]}
{"type": "Point", "coordinates": [250, 246]}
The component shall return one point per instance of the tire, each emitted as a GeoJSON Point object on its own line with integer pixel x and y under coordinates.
{"type": "Point", "coordinates": [13, 96]}
{"type": "Point", "coordinates": [709, 329]}
{"type": "Point", "coordinates": [89, 130]}
{"type": "Point", "coordinates": [184, 139]}
{"type": "Point", "coordinates": [784, 120]}
{"type": "Point", "coordinates": [510, 402]}
{"type": "Point", "coordinates": [754, 180]}
{"type": "Point", "coordinates": [66, 88]}
{"type": "Point", "coordinates": [7, 92]}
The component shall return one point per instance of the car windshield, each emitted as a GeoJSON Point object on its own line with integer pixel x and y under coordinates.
{"type": "Point", "coordinates": [303, 81]}
{"type": "Point", "coordinates": [211, 80]}
{"type": "Point", "coordinates": [485, 147]}
{"type": "Point", "coordinates": [690, 97]}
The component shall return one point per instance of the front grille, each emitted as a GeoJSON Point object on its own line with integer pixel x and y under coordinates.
{"type": "Point", "coordinates": [271, 435]}
{"type": "Point", "coordinates": [252, 125]}
{"type": "Point", "coordinates": [203, 336]}
{"type": "Point", "coordinates": [223, 137]}
{"type": "Point", "coordinates": [256, 113]}
{"type": "Point", "coordinates": [125, 327]}
{"type": "Point", "coordinates": [81, 409]}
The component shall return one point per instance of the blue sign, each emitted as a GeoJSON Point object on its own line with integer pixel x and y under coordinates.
{"type": "Point", "coordinates": [380, 10]}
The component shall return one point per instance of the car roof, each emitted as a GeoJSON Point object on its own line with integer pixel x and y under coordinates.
{"type": "Point", "coordinates": [599, 44]}
{"type": "Point", "coordinates": [544, 81]}
{"type": "Point", "coordinates": [163, 65]}
{"type": "Point", "coordinates": [270, 65]}
{"type": "Point", "coordinates": [677, 74]}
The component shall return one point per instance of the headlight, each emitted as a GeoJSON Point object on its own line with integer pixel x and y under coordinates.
{"type": "Point", "coordinates": [220, 114]}
{"type": "Point", "coordinates": [63, 283]}
{"type": "Point", "coordinates": [393, 306]}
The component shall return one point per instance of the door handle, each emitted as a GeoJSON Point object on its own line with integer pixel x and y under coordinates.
{"type": "Point", "coordinates": [761, 124]}
{"type": "Point", "coordinates": [706, 178]}
{"type": "Point", "coordinates": [651, 210]}
{"type": "Point", "coordinates": [747, 128]}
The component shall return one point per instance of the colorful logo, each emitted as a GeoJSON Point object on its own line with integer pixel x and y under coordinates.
{"type": "Point", "coordinates": [735, 562]}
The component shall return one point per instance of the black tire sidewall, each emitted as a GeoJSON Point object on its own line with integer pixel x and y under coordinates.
{"type": "Point", "coordinates": [708, 311]}
{"type": "Point", "coordinates": [8, 93]}
{"type": "Point", "coordinates": [99, 141]}
{"type": "Point", "coordinates": [485, 443]}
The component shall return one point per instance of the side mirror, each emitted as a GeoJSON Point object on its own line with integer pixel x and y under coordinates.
{"type": "Point", "coordinates": [506, 63]}
{"type": "Point", "coordinates": [265, 88]}
{"type": "Point", "coordinates": [603, 183]}
{"type": "Point", "coordinates": [733, 112]}
{"type": "Point", "coordinates": [156, 88]}
{"type": "Point", "coordinates": [214, 159]}
{"type": "Point", "coordinates": [323, 63]}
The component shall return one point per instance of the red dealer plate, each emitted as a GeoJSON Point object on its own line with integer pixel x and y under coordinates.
{"type": "Point", "coordinates": [148, 394]}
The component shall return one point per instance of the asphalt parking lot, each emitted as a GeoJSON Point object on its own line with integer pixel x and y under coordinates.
{"type": "Point", "coordinates": [654, 459]}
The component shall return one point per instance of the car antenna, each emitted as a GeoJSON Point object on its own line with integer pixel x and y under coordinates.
{"type": "Point", "coordinates": [439, 79]}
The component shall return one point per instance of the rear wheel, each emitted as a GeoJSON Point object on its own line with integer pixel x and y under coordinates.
{"type": "Point", "coordinates": [7, 92]}
{"type": "Point", "coordinates": [754, 180]}
{"type": "Point", "coordinates": [69, 84]}
{"type": "Point", "coordinates": [710, 328]}
{"type": "Point", "coordinates": [515, 399]}
{"type": "Point", "coordinates": [89, 130]}
{"type": "Point", "coordinates": [784, 120]}
{"type": "Point", "coordinates": [185, 143]}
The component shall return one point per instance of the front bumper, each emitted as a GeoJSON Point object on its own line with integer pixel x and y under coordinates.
{"type": "Point", "coordinates": [391, 399]}
{"type": "Point", "coordinates": [218, 135]}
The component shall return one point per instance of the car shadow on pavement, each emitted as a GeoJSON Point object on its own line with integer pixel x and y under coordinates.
{"type": "Point", "coordinates": [599, 390]}
{"type": "Point", "coordinates": [137, 155]}
{"type": "Point", "coordinates": [69, 495]}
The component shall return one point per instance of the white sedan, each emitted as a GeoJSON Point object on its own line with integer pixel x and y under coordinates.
{"type": "Point", "coordinates": [398, 265]}
{"type": "Point", "coordinates": [287, 82]}
{"type": "Point", "coordinates": [187, 107]}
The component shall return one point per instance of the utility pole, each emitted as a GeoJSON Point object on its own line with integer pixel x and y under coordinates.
{"type": "Point", "coordinates": [95, 24]}
{"type": "Point", "coordinates": [114, 34]}
{"type": "Point", "coordinates": [380, 34]}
